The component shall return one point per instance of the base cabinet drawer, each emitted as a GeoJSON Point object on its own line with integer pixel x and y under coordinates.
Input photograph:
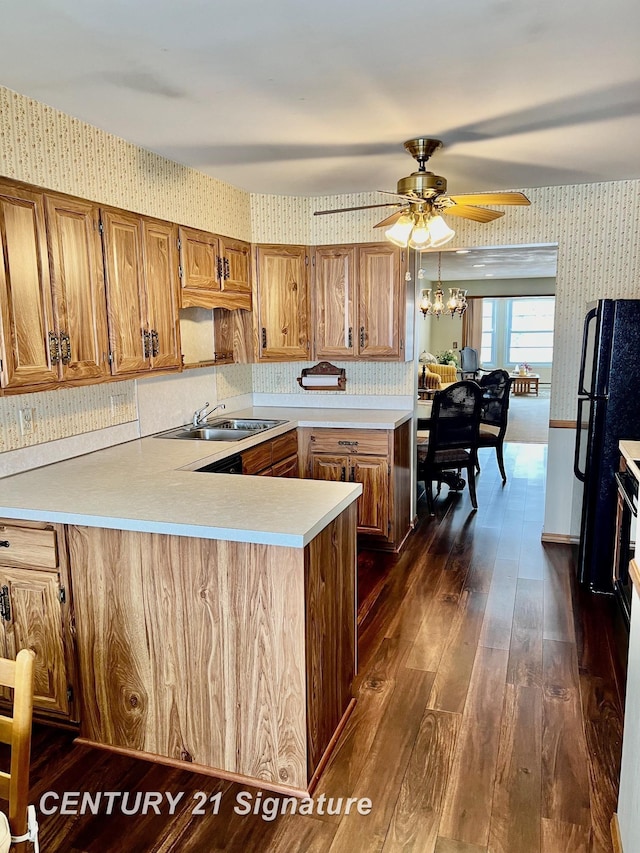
{"type": "Point", "coordinates": [269, 458]}
{"type": "Point", "coordinates": [28, 546]}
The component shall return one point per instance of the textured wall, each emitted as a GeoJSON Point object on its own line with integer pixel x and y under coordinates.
{"type": "Point", "coordinates": [596, 227]}
{"type": "Point", "coordinates": [368, 378]}
{"type": "Point", "coordinates": [43, 146]}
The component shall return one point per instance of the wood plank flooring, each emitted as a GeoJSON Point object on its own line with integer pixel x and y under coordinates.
{"type": "Point", "coordinates": [488, 717]}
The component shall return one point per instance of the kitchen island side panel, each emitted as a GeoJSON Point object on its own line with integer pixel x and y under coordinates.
{"type": "Point", "coordinates": [330, 583]}
{"type": "Point", "coordinates": [193, 649]}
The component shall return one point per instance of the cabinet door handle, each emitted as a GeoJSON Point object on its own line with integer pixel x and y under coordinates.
{"type": "Point", "coordinates": [54, 348]}
{"type": "Point", "coordinates": [219, 271]}
{"type": "Point", "coordinates": [350, 338]}
{"type": "Point", "coordinates": [5, 606]}
{"type": "Point", "coordinates": [65, 347]}
{"type": "Point", "coordinates": [155, 342]}
{"type": "Point", "coordinates": [146, 344]}
{"type": "Point", "coordinates": [362, 336]}
{"type": "Point", "coordinates": [264, 338]}
{"type": "Point", "coordinates": [226, 270]}
{"type": "Point", "coordinates": [4, 543]}
{"type": "Point", "coordinates": [343, 476]}
{"type": "Point", "coordinates": [352, 475]}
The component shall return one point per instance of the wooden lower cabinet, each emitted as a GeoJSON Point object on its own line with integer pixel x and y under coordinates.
{"type": "Point", "coordinates": [226, 656]}
{"type": "Point", "coordinates": [35, 612]}
{"type": "Point", "coordinates": [277, 457]}
{"type": "Point", "coordinates": [380, 461]}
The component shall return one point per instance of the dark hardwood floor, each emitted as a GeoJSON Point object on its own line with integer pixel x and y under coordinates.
{"type": "Point", "coordinates": [488, 715]}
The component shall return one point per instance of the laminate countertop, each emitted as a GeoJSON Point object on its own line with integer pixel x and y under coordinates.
{"type": "Point", "coordinates": [151, 485]}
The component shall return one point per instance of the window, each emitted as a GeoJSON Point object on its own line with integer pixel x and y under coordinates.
{"type": "Point", "coordinates": [488, 345]}
{"type": "Point", "coordinates": [530, 330]}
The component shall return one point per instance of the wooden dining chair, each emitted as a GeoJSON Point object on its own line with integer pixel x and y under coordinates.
{"type": "Point", "coordinates": [453, 438]}
{"type": "Point", "coordinates": [16, 731]}
{"type": "Point", "coordinates": [496, 388]}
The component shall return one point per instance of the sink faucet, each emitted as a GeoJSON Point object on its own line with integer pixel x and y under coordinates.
{"type": "Point", "coordinates": [200, 416]}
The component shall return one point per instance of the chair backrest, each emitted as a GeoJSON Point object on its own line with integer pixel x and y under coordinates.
{"type": "Point", "coordinates": [496, 388]}
{"type": "Point", "coordinates": [455, 417]}
{"type": "Point", "coordinates": [16, 731]}
{"type": "Point", "coordinates": [469, 360]}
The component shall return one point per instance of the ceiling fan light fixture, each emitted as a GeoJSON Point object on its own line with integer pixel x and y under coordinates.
{"type": "Point", "coordinates": [440, 231]}
{"type": "Point", "coordinates": [421, 234]}
{"type": "Point", "coordinates": [399, 232]}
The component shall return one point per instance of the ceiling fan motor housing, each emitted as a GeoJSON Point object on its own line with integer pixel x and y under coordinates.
{"type": "Point", "coordinates": [422, 184]}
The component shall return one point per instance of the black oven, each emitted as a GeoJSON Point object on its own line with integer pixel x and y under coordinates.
{"type": "Point", "coordinates": [625, 542]}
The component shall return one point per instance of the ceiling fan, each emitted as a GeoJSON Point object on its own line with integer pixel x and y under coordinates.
{"type": "Point", "coordinates": [418, 221]}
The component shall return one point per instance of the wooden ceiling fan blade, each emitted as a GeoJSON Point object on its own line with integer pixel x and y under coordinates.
{"type": "Point", "coordinates": [490, 198]}
{"type": "Point", "coordinates": [478, 214]}
{"type": "Point", "coordinates": [390, 220]}
{"type": "Point", "coordinates": [359, 207]}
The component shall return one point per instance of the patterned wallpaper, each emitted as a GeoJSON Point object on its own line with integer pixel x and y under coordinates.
{"type": "Point", "coordinates": [596, 227]}
{"type": "Point", "coordinates": [43, 146]}
{"type": "Point", "coordinates": [363, 378]}
{"type": "Point", "coordinates": [68, 411]}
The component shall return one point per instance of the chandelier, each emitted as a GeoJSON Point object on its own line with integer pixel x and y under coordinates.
{"type": "Point", "coordinates": [420, 228]}
{"type": "Point", "coordinates": [456, 303]}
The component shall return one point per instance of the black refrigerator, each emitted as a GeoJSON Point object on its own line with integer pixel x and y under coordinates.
{"type": "Point", "coordinates": [608, 411]}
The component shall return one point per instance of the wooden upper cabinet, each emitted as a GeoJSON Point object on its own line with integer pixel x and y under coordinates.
{"type": "Point", "coordinates": [26, 308]}
{"type": "Point", "coordinates": [236, 263]}
{"type": "Point", "coordinates": [126, 308]}
{"type": "Point", "coordinates": [282, 303]}
{"type": "Point", "coordinates": [214, 271]}
{"type": "Point", "coordinates": [161, 288]}
{"type": "Point", "coordinates": [380, 302]}
{"type": "Point", "coordinates": [142, 278]}
{"type": "Point", "coordinates": [359, 302]}
{"type": "Point", "coordinates": [199, 262]}
{"type": "Point", "coordinates": [335, 302]}
{"type": "Point", "coordinates": [77, 281]}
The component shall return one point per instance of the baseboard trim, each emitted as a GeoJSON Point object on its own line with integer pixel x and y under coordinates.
{"type": "Point", "coordinates": [615, 835]}
{"type": "Point", "coordinates": [559, 538]}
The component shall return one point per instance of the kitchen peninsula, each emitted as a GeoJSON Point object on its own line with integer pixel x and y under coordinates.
{"type": "Point", "coordinates": [214, 614]}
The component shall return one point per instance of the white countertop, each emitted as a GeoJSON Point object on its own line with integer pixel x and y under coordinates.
{"type": "Point", "coordinates": [631, 452]}
{"type": "Point", "coordinates": [150, 485]}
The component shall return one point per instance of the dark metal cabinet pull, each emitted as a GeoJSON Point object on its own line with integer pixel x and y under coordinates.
{"type": "Point", "coordinates": [54, 348]}
{"type": "Point", "coordinates": [362, 336]}
{"type": "Point", "coordinates": [5, 605]}
{"type": "Point", "coordinates": [65, 347]}
{"type": "Point", "coordinates": [264, 338]}
{"type": "Point", "coordinates": [155, 342]}
{"type": "Point", "coordinates": [4, 543]}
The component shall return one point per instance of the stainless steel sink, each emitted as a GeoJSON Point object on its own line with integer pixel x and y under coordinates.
{"type": "Point", "coordinates": [221, 429]}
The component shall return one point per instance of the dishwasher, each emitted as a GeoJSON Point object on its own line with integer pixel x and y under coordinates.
{"type": "Point", "coordinates": [228, 465]}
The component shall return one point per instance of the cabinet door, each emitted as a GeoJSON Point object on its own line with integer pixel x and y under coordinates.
{"type": "Point", "coordinates": [286, 468]}
{"type": "Point", "coordinates": [334, 293]}
{"type": "Point", "coordinates": [380, 305]}
{"type": "Point", "coordinates": [335, 468]}
{"type": "Point", "coordinates": [78, 287]}
{"type": "Point", "coordinates": [161, 288]}
{"type": "Point", "coordinates": [373, 503]}
{"type": "Point", "coordinates": [235, 257]}
{"type": "Point", "coordinates": [32, 618]}
{"type": "Point", "coordinates": [199, 252]}
{"type": "Point", "coordinates": [126, 309]}
{"type": "Point", "coordinates": [283, 304]}
{"type": "Point", "coordinates": [26, 313]}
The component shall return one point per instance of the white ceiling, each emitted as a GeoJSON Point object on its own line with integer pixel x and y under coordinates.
{"type": "Point", "coordinates": [315, 98]}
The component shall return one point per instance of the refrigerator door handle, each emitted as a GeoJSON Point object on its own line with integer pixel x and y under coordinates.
{"type": "Point", "coordinates": [590, 317]}
{"type": "Point", "coordinates": [581, 475]}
